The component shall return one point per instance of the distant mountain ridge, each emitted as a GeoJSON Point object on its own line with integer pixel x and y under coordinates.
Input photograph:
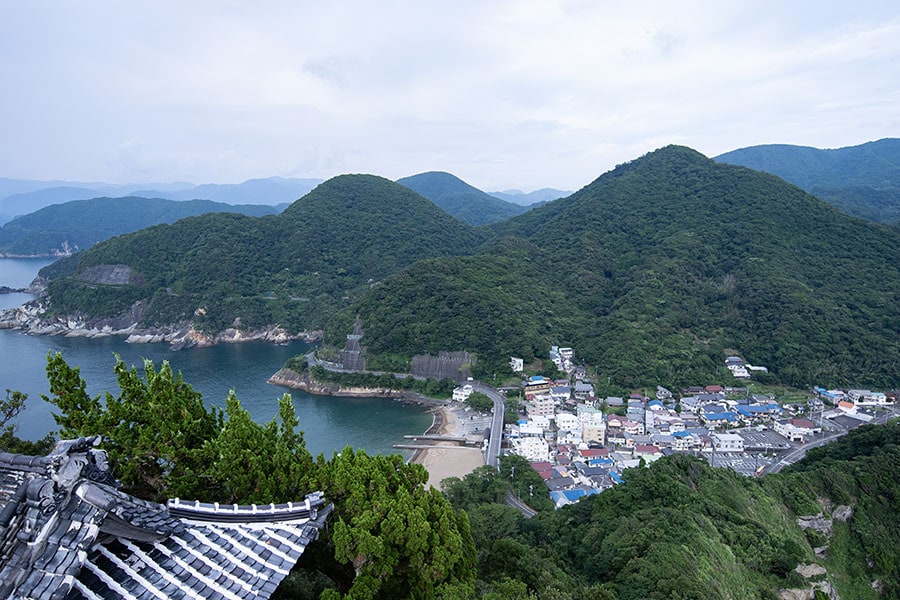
{"type": "Point", "coordinates": [458, 198]}
{"type": "Point", "coordinates": [61, 229]}
{"type": "Point", "coordinates": [20, 197]}
{"type": "Point", "coordinates": [861, 180]}
{"type": "Point", "coordinates": [531, 198]}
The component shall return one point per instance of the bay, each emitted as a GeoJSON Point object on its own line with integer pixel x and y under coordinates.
{"type": "Point", "coordinates": [329, 423]}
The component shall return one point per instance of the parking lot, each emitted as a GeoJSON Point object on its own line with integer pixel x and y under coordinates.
{"type": "Point", "coordinates": [763, 440]}
{"type": "Point", "coordinates": [471, 422]}
{"type": "Point", "coordinates": [745, 464]}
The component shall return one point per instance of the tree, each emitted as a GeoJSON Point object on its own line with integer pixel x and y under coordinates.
{"type": "Point", "coordinates": [391, 537]}
{"type": "Point", "coordinates": [154, 430]}
{"type": "Point", "coordinates": [9, 441]}
{"type": "Point", "coordinates": [479, 402]}
{"type": "Point", "coordinates": [387, 537]}
{"type": "Point", "coordinates": [250, 463]}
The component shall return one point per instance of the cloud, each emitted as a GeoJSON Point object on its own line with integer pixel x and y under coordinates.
{"type": "Point", "coordinates": [504, 94]}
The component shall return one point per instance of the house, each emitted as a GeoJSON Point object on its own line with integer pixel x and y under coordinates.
{"type": "Point", "coordinates": [534, 449]}
{"type": "Point", "coordinates": [561, 393]}
{"type": "Point", "coordinates": [583, 390]}
{"type": "Point", "coordinates": [717, 419]}
{"type": "Point", "coordinates": [462, 393]}
{"type": "Point", "coordinates": [543, 405]}
{"type": "Point", "coordinates": [662, 393]}
{"type": "Point", "coordinates": [68, 532]}
{"type": "Point", "coordinates": [516, 364]}
{"type": "Point", "coordinates": [796, 430]}
{"type": "Point", "coordinates": [648, 452]}
{"type": "Point", "coordinates": [536, 385]}
{"type": "Point", "coordinates": [727, 442]}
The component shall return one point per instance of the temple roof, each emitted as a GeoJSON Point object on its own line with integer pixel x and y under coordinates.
{"type": "Point", "coordinates": [67, 532]}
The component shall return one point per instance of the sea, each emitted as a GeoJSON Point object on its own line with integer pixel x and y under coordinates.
{"type": "Point", "coordinates": [329, 423]}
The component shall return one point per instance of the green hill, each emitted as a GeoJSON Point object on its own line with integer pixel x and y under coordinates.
{"type": "Point", "coordinates": [653, 273]}
{"type": "Point", "coordinates": [458, 198]}
{"type": "Point", "coordinates": [291, 269]}
{"type": "Point", "coordinates": [862, 180]}
{"type": "Point", "coordinates": [681, 529]}
{"type": "Point", "coordinates": [656, 270]}
{"type": "Point", "coordinates": [79, 224]}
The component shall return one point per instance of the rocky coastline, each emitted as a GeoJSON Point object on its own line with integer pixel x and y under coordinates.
{"type": "Point", "coordinates": [30, 319]}
{"type": "Point", "coordinates": [297, 381]}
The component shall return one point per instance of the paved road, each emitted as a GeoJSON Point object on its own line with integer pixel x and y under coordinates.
{"type": "Point", "coordinates": [493, 451]}
{"type": "Point", "coordinates": [797, 454]}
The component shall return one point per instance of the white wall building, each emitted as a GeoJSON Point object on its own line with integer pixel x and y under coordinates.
{"type": "Point", "coordinates": [727, 442]}
{"type": "Point", "coordinates": [534, 449]}
{"type": "Point", "coordinates": [462, 393]}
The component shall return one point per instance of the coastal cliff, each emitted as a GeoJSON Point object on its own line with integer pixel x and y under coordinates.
{"type": "Point", "coordinates": [30, 318]}
{"type": "Point", "coordinates": [291, 379]}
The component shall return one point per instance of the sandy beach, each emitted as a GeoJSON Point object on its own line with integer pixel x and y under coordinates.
{"type": "Point", "coordinates": [443, 462]}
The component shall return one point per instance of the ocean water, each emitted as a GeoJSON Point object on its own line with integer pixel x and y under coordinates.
{"type": "Point", "coordinates": [329, 423]}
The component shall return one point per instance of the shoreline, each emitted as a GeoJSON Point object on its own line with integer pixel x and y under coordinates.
{"type": "Point", "coordinates": [442, 461]}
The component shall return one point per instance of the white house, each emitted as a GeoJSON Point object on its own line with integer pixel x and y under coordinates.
{"type": "Point", "coordinates": [462, 393]}
{"type": "Point", "coordinates": [534, 449]}
{"type": "Point", "coordinates": [517, 364]}
{"type": "Point", "coordinates": [727, 442]}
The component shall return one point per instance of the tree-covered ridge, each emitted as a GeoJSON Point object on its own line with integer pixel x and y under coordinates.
{"type": "Point", "coordinates": [458, 198]}
{"type": "Point", "coordinates": [873, 164]}
{"type": "Point", "coordinates": [79, 224]}
{"type": "Point", "coordinates": [657, 268]}
{"type": "Point", "coordinates": [863, 181]}
{"type": "Point", "coordinates": [291, 269]}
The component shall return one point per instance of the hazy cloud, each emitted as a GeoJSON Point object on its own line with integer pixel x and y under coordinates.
{"type": "Point", "coordinates": [504, 94]}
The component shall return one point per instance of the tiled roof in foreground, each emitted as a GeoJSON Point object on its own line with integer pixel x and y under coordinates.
{"type": "Point", "coordinates": [67, 532]}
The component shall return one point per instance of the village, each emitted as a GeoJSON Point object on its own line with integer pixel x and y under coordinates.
{"type": "Point", "coordinates": [580, 443]}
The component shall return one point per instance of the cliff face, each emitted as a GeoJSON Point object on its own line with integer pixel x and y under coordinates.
{"type": "Point", "coordinates": [292, 379]}
{"type": "Point", "coordinates": [31, 319]}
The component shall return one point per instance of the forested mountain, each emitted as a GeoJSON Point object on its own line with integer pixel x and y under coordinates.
{"type": "Point", "coordinates": [458, 198]}
{"type": "Point", "coordinates": [658, 269]}
{"type": "Point", "coordinates": [21, 196]}
{"type": "Point", "coordinates": [291, 269]}
{"type": "Point", "coordinates": [653, 272]}
{"type": "Point", "coordinates": [681, 529]}
{"type": "Point", "coordinates": [79, 224]}
{"type": "Point", "coordinates": [862, 180]}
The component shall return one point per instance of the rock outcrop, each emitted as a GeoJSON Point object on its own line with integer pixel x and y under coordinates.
{"type": "Point", "coordinates": [31, 319]}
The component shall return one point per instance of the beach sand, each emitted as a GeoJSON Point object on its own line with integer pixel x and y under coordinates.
{"type": "Point", "coordinates": [447, 462]}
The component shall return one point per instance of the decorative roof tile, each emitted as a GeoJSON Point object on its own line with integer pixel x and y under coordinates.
{"type": "Point", "coordinates": [67, 532]}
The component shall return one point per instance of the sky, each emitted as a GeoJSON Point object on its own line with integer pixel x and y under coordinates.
{"type": "Point", "coordinates": [503, 94]}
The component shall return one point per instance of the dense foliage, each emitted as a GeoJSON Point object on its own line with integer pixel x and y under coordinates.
{"type": "Point", "coordinates": [657, 270]}
{"type": "Point", "coordinates": [860, 471]}
{"type": "Point", "coordinates": [79, 224]}
{"type": "Point", "coordinates": [458, 198]}
{"type": "Point", "coordinates": [653, 273]}
{"type": "Point", "coordinates": [387, 537]}
{"type": "Point", "coordinates": [675, 529]}
{"type": "Point", "coordinates": [863, 180]}
{"type": "Point", "coordinates": [293, 269]}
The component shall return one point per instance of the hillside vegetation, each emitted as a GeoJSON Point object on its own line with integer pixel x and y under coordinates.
{"type": "Point", "coordinates": [293, 269]}
{"type": "Point", "coordinates": [654, 270]}
{"type": "Point", "coordinates": [863, 181]}
{"type": "Point", "coordinates": [79, 224]}
{"type": "Point", "coordinates": [653, 273]}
